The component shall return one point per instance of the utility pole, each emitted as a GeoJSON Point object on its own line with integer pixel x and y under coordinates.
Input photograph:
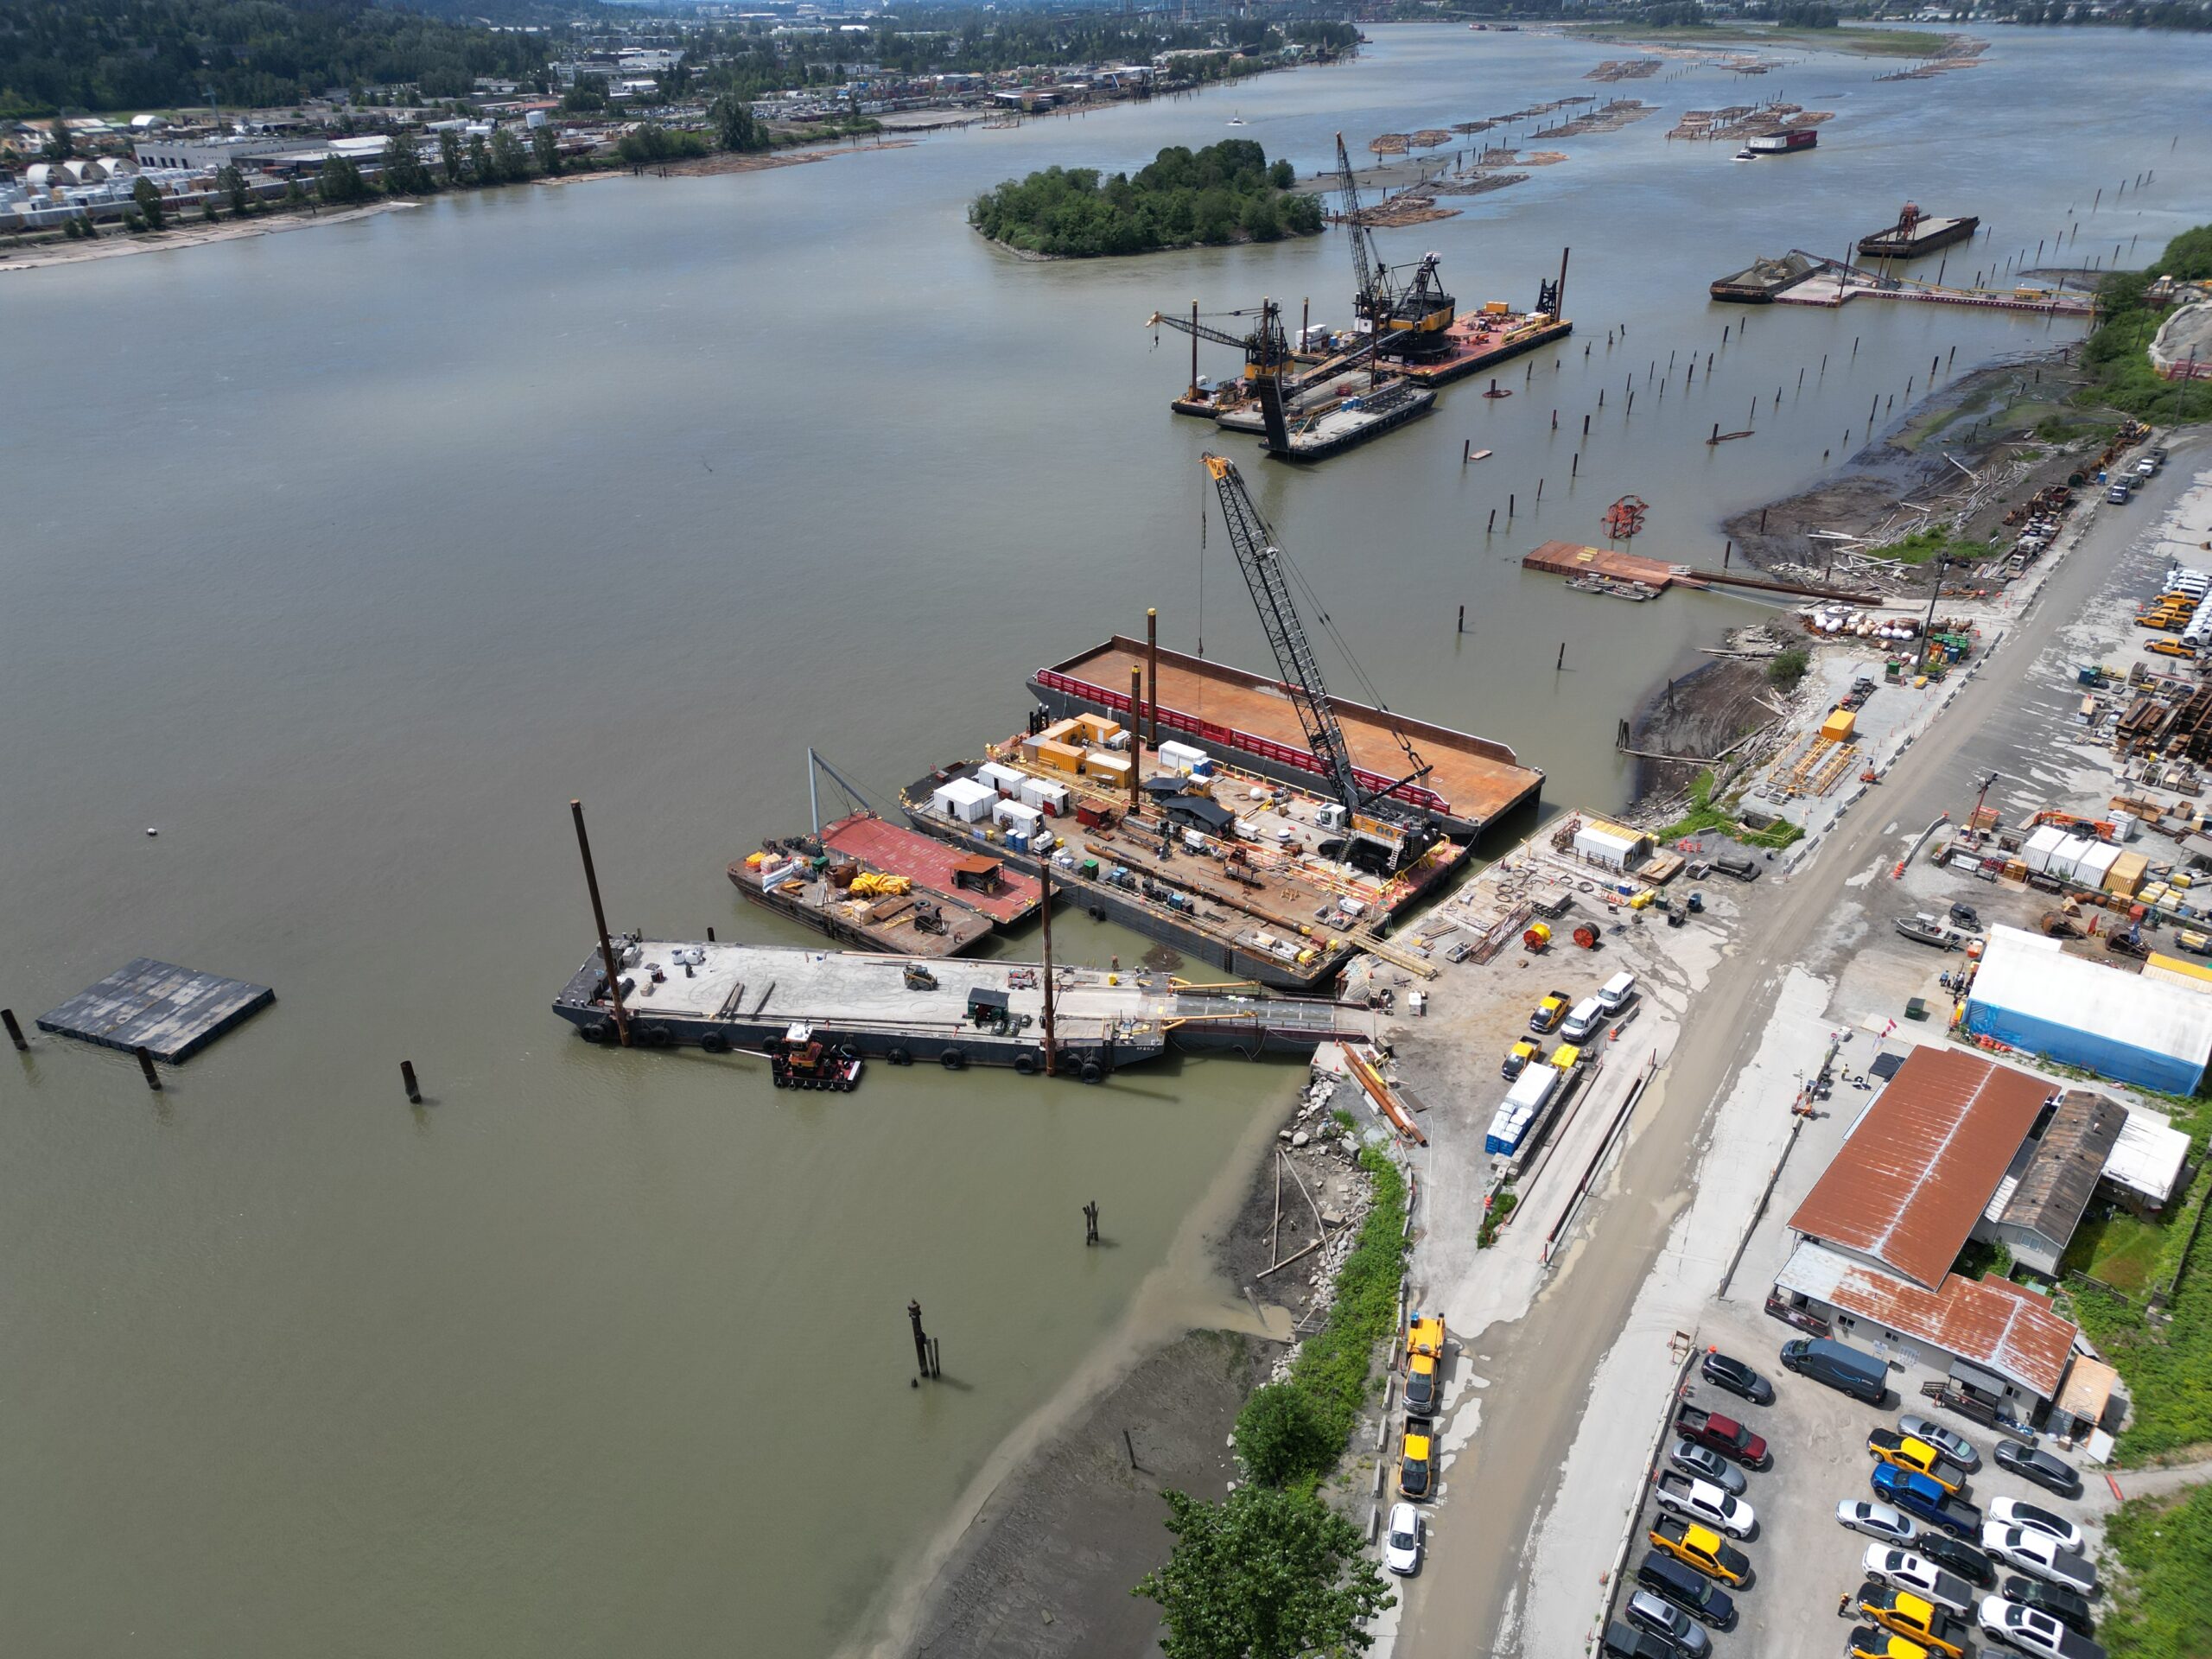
{"type": "Point", "coordinates": [599, 916]}
{"type": "Point", "coordinates": [1052, 1042]}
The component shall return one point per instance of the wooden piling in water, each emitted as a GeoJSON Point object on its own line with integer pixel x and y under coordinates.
{"type": "Point", "coordinates": [146, 1066]}
{"type": "Point", "coordinates": [15, 1032]}
{"type": "Point", "coordinates": [407, 1078]}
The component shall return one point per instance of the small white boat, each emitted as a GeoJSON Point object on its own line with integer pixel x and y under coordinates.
{"type": "Point", "coordinates": [1746, 155]}
{"type": "Point", "coordinates": [1237, 120]}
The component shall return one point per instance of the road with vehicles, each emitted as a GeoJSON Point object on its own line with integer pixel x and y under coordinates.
{"type": "Point", "coordinates": [1541, 1368]}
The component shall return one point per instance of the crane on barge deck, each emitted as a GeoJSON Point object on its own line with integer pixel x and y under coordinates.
{"type": "Point", "coordinates": [1420, 311]}
{"type": "Point", "coordinates": [1378, 833]}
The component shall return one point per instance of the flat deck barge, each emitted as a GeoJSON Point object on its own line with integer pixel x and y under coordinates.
{"type": "Point", "coordinates": [1479, 341]}
{"type": "Point", "coordinates": [881, 886]}
{"type": "Point", "coordinates": [1343, 418]}
{"type": "Point", "coordinates": [721, 997]}
{"type": "Point", "coordinates": [1915, 233]}
{"type": "Point", "coordinates": [1759, 283]}
{"type": "Point", "coordinates": [1249, 721]}
{"type": "Point", "coordinates": [1570, 560]}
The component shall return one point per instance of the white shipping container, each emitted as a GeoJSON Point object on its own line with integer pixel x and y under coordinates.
{"type": "Point", "coordinates": [2095, 863]}
{"type": "Point", "coordinates": [1003, 778]}
{"type": "Point", "coordinates": [1533, 1087]}
{"type": "Point", "coordinates": [2035, 854]}
{"type": "Point", "coordinates": [965, 799]}
{"type": "Point", "coordinates": [1046, 796]}
{"type": "Point", "coordinates": [1181, 757]}
{"type": "Point", "coordinates": [1015, 816]}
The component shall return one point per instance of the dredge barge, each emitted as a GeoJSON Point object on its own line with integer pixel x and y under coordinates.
{"type": "Point", "coordinates": [880, 886]}
{"type": "Point", "coordinates": [953, 1014]}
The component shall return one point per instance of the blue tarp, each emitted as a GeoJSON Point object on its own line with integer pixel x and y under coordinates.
{"type": "Point", "coordinates": [2093, 1051]}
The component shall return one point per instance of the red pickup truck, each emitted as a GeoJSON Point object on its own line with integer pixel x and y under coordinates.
{"type": "Point", "coordinates": [1724, 1435]}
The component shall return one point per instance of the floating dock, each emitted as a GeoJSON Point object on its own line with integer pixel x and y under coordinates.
{"type": "Point", "coordinates": [1836, 285]}
{"type": "Point", "coordinates": [1570, 560]}
{"type": "Point", "coordinates": [170, 1012]}
{"type": "Point", "coordinates": [881, 886]}
{"type": "Point", "coordinates": [1249, 721]}
{"type": "Point", "coordinates": [721, 997]}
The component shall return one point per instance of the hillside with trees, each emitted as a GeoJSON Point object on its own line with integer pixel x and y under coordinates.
{"type": "Point", "coordinates": [1224, 193]}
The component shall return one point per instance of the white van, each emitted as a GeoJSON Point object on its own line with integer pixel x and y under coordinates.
{"type": "Point", "coordinates": [1614, 995]}
{"type": "Point", "coordinates": [1582, 1020]}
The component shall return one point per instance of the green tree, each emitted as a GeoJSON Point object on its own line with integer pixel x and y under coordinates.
{"type": "Point", "coordinates": [1280, 1436]}
{"type": "Point", "coordinates": [734, 127]}
{"type": "Point", "coordinates": [510, 161]}
{"type": "Point", "coordinates": [148, 199]}
{"type": "Point", "coordinates": [450, 155]}
{"type": "Point", "coordinates": [232, 183]}
{"type": "Point", "coordinates": [480, 160]}
{"type": "Point", "coordinates": [586, 97]}
{"type": "Point", "coordinates": [208, 209]}
{"type": "Point", "coordinates": [340, 181]}
{"type": "Point", "coordinates": [405, 173]}
{"type": "Point", "coordinates": [545, 145]}
{"type": "Point", "coordinates": [1282, 175]}
{"type": "Point", "coordinates": [61, 142]}
{"type": "Point", "coordinates": [1263, 1574]}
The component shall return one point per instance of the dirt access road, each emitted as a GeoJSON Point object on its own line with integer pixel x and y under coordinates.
{"type": "Point", "coordinates": [1542, 1367]}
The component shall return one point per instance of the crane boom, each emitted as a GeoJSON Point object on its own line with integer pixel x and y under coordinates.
{"type": "Point", "coordinates": [1372, 300]}
{"type": "Point", "coordinates": [1260, 560]}
{"type": "Point", "coordinates": [1266, 348]}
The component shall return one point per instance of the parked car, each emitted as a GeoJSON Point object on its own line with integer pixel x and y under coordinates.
{"type": "Point", "coordinates": [1839, 1365]}
{"type": "Point", "coordinates": [1739, 1379]}
{"type": "Point", "coordinates": [1724, 1434]}
{"type": "Point", "coordinates": [2061, 1604]}
{"type": "Point", "coordinates": [1904, 1452]}
{"type": "Point", "coordinates": [1951, 1444]}
{"type": "Point", "coordinates": [1954, 1555]}
{"type": "Point", "coordinates": [1918, 1495]}
{"type": "Point", "coordinates": [1626, 1642]}
{"type": "Point", "coordinates": [2037, 1554]}
{"type": "Point", "coordinates": [2033, 1632]}
{"type": "Point", "coordinates": [1702, 1549]}
{"type": "Point", "coordinates": [1701, 1501]}
{"type": "Point", "coordinates": [1879, 1520]}
{"type": "Point", "coordinates": [1886, 1564]}
{"type": "Point", "coordinates": [2017, 1512]}
{"type": "Point", "coordinates": [1706, 1465]}
{"type": "Point", "coordinates": [1872, 1641]}
{"type": "Point", "coordinates": [2033, 1463]}
{"type": "Point", "coordinates": [1401, 1542]}
{"type": "Point", "coordinates": [1692, 1591]}
{"type": "Point", "coordinates": [1917, 1620]}
{"type": "Point", "coordinates": [1655, 1613]}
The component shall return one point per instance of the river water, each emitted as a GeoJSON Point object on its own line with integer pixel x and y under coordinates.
{"type": "Point", "coordinates": [345, 557]}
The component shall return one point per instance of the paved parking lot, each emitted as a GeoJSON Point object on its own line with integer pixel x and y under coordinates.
{"type": "Point", "coordinates": [1801, 1558]}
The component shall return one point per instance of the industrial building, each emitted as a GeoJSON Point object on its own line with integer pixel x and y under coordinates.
{"type": "Point", "coordinates": [2030, 994]}
{"type": "Point", "coordinates": [1957, 1148]}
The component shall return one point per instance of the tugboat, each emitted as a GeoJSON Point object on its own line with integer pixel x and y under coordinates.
{"type": "Point", "coordinates": [799, 1059]}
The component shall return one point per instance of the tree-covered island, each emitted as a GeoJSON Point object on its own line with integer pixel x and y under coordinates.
{"type": "Point", "coordinates": [1224, 193]}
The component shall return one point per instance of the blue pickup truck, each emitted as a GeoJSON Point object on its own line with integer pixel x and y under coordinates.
{"type": "Point", "coordinates": [1918, 1495]}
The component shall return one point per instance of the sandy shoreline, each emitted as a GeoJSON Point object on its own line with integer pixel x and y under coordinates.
{"type": "Point", "coordinates": [1040, 1558]}
{"type": "Point", "coordinates": [114, 245]}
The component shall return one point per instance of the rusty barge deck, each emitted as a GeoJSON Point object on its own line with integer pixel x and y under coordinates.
{"type": "Point", "coordinates": [953, 903]}
{"type": "Point", "coordinates": [1249, 721]}
{"type": "Point", "coordinates": [1569, 559]}
{"type": "Point", "coordinates": [1479, 341]}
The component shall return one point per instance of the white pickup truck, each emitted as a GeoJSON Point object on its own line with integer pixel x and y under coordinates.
{"type": "Point", "coordinates": [1702, 1501]}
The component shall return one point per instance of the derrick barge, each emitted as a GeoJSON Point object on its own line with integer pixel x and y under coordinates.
{"type": "Point", "coordinates": [880, 886]}
{"type": "Point", "coordinates": [724, 997]}
{"type": "Point", "coordinates": [1915, 233]}
{"type": "Point", "coordinates": [1339, 425]}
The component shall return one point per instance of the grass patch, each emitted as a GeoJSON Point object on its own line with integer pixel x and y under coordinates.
{"type": "Point", "coordinates": [2159, 1610]}
{"type": "Point", "coordinates": [2167, 1360]}
{"type": "Point", "coordinates": [1926, 546]}
{"type": "Point", "coordinates": [1705, 815]}
{"type": "Point", "coordinates": [1502, 1205]}
{"type": "Point", "coordinates": [2122, 1250]}
{"type": "Point", "coordinates": [1980, 1257]}
{"type": "Point", "coordinates": [1334, 1373]}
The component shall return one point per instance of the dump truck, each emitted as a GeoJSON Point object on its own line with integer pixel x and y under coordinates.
{"type": "Point", "coordinates": [1916, 1618]}
{"type": "Point", "coordinates": [1905, 1452]}
{"type": "Point", "coordinates": [1424, 1364]}
{"type": "Point", "coordinates": [1701, 1547]}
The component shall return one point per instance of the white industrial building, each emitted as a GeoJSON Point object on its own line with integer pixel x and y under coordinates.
{"type": "Point", "coordinates": [2030, 994]}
